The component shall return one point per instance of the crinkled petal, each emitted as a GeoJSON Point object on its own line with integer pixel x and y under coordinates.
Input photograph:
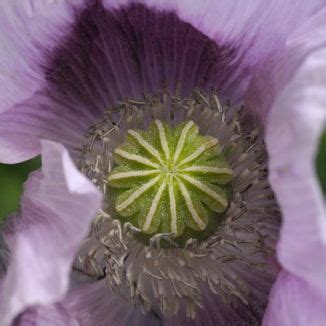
{"type": "Point", "coordinates": [294, 302]}
{"type": "Point", "coordinates": [88, 305]}
{"type": "Point", "coordinates": [296, 121]}
{"type": "Point", "coordinates": [57, 207]}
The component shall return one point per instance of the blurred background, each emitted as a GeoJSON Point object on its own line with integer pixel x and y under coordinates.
{"type": "Point", "coordinates": [12, 178]}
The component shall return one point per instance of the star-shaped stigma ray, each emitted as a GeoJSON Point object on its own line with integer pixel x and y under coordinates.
{"type": "Point", "coordinates": [169, 179]}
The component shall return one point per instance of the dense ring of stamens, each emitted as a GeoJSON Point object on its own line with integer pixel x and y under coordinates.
{"type": "Point", "coordinates": [164, 169]}
{"type": "Point", "coordinates": [229, 263]}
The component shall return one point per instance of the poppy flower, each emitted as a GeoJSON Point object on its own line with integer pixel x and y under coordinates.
{"type": "Point", "coordinates": [178, 142]}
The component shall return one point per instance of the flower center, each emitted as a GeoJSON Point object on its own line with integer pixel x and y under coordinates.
{"type": "Point", "coordinates": [167, 180]}
{"type": "Point", "coordinates": [189, 216]}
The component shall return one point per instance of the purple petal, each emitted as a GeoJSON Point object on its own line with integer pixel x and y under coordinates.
{"type": "Point", "coordinates": [216, 311]}
{"type": "Point", "coordinates": [25, 25]}
{"type": "Point", "coordinates": [26, 30]}
{"type": "Point", "coordinates": [91, 304]}
{"type": "Point", "coordinates": [295, 123]}
{"type": "Point", "coordinates": [44, 316]}
{"type": "Point", "coordinates": [24, 125]}
{"type": "Point", "coordinates": [81, 68]}
{"type": "Point", "coordinates": [293, 302]}
{"type": "Point", "coordinates": [144, 51]}
{"type": "Point", "coordinates": [271, 75]}
{"type": "Point", "coordinates": [254, 29]}
{"type": "Point", "coordinates": [94, 304]}
{"type": "Point", "coordinates": [57, 207]}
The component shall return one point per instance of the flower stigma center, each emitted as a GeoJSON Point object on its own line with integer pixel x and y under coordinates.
{"type": "Point", "coordinates": [169, 179]}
